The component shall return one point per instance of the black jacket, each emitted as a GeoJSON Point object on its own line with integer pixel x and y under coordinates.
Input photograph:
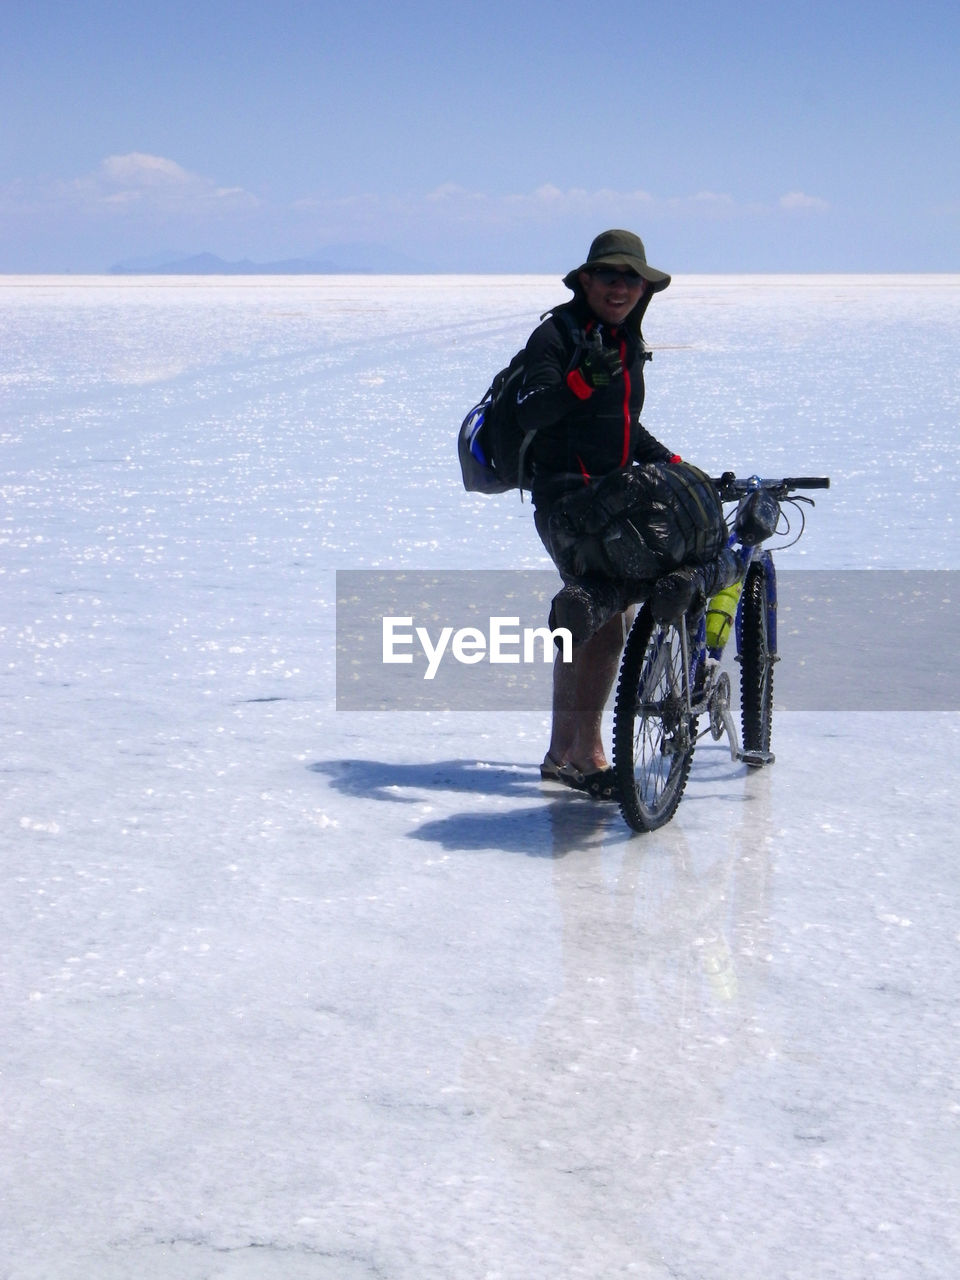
{"type": "Point", "coordinates": [581, 433]}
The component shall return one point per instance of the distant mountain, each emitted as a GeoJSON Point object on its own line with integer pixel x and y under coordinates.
{"type": "Point", "coordinates": [151, 262]}
{"type": "Point", "coordinates": [208, 264]}
{"type": "Point", "coordinates": [348, 259]}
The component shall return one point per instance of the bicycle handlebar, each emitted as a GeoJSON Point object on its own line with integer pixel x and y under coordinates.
{"type": "Point", "coordinates": [731, 486]}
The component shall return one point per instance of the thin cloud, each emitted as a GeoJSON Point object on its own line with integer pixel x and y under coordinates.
{"type": "Point", "coordinates": [138, 181]}
{"type": "Point", "coordinates": [135, 183]}
{"type": "Point", "coordinates": [470, 224]}
{"type": "Point", "coordinates": [710, 200]}
{"type": "Point", "coordinates": [799, 200]}
{"type": "Point", "coordinates": [139, 169]}
{"type": "Point", "coordinates": [544, 200]}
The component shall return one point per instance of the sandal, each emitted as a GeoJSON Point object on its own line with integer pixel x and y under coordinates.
{"type": "Point", "coordinates": [602, 785]}
{"type": "Point", "coordinates": [566, 774]}
{"type": "Point", "coordinates": [599, 785]}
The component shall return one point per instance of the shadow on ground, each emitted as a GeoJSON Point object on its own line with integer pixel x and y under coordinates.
{"type": "Point", "coordinates": [382, 780]}
{"type": "Point", "coordinates": [556, 823]}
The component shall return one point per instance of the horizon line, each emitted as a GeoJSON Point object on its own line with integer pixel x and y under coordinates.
{"type": "Point", "coordinates": [367, 273]}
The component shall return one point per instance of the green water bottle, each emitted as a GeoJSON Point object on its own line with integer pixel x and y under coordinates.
{"type": "Point", "coordinates": [721, 612]}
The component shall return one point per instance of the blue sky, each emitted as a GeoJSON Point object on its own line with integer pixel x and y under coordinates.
{"type": "Point", "coordinates": [774, 136]}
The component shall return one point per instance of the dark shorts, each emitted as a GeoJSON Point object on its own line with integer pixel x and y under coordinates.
{"type": "Point", "coordinates": [541, 518]}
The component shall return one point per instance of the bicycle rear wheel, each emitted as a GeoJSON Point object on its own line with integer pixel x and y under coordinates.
{"type": "Point", "coordinates": [654, 735]}
{"type": "Point", "coordinates": [756, 671]}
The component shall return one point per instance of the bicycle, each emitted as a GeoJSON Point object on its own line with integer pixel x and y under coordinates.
{"type": "Point", "coordinates": [670, 673]}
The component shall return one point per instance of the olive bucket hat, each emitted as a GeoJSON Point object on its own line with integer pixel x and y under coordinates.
{"type": "Point", "coordinates": [619, 249]}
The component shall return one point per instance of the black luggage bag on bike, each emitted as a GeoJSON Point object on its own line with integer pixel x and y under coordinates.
{"type": "Point", "coordinates": [639, 523]}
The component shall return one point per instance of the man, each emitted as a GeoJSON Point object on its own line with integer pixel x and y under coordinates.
{"type": "Point", "coordinates": [587, 420]}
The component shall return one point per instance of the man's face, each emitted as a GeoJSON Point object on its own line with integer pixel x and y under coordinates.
{"type": "Point", "coordinates": [612, 292]}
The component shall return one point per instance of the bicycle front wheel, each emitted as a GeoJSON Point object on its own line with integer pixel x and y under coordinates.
{"type": "Point", "coordinates": [654, 734]}
{"type": "Point", "coordinates": [756, 671]}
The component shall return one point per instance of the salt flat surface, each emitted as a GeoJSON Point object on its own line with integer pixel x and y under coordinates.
{"type": "Point", "coordinates": [291, 992]}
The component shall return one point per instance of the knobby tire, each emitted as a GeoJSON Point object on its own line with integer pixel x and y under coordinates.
{"type": "Point", "coordinates": [654, 736]}
{"type": "Point", "coordinates": [756, 668]}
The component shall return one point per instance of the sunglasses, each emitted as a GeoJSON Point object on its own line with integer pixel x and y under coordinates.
{"type": "Point", "coordinates": [613, 275]}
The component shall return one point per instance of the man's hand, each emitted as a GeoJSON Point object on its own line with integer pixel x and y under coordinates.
{"type": "Point", "coordinates": [600, 366]}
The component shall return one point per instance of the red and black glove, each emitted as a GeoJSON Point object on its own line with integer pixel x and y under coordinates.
{"type": "Point", "coordinates": [599, 367]}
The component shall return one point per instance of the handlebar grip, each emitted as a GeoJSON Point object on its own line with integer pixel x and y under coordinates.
{"type": "Point", "coordinates": [731, 486]}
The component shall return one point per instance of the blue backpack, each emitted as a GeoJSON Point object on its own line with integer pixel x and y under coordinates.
{"type": "Point", "coordinates": [491, 444]}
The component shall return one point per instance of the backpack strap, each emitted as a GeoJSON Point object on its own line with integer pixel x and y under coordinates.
{"type": "Point", "coordinates": [567, 323]}
{"type": "Point", "coordinates": [524, 446]}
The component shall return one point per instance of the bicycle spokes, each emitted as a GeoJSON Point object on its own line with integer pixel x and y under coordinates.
{"type": "Point", "coordinates": [654, 732]}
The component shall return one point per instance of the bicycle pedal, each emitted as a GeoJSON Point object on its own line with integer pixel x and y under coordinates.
{"type": "Point", "coordinates": [756, 759]}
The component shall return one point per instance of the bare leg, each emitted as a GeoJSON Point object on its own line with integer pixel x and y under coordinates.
{"type": "Point", "coordinates": [580, 692]}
